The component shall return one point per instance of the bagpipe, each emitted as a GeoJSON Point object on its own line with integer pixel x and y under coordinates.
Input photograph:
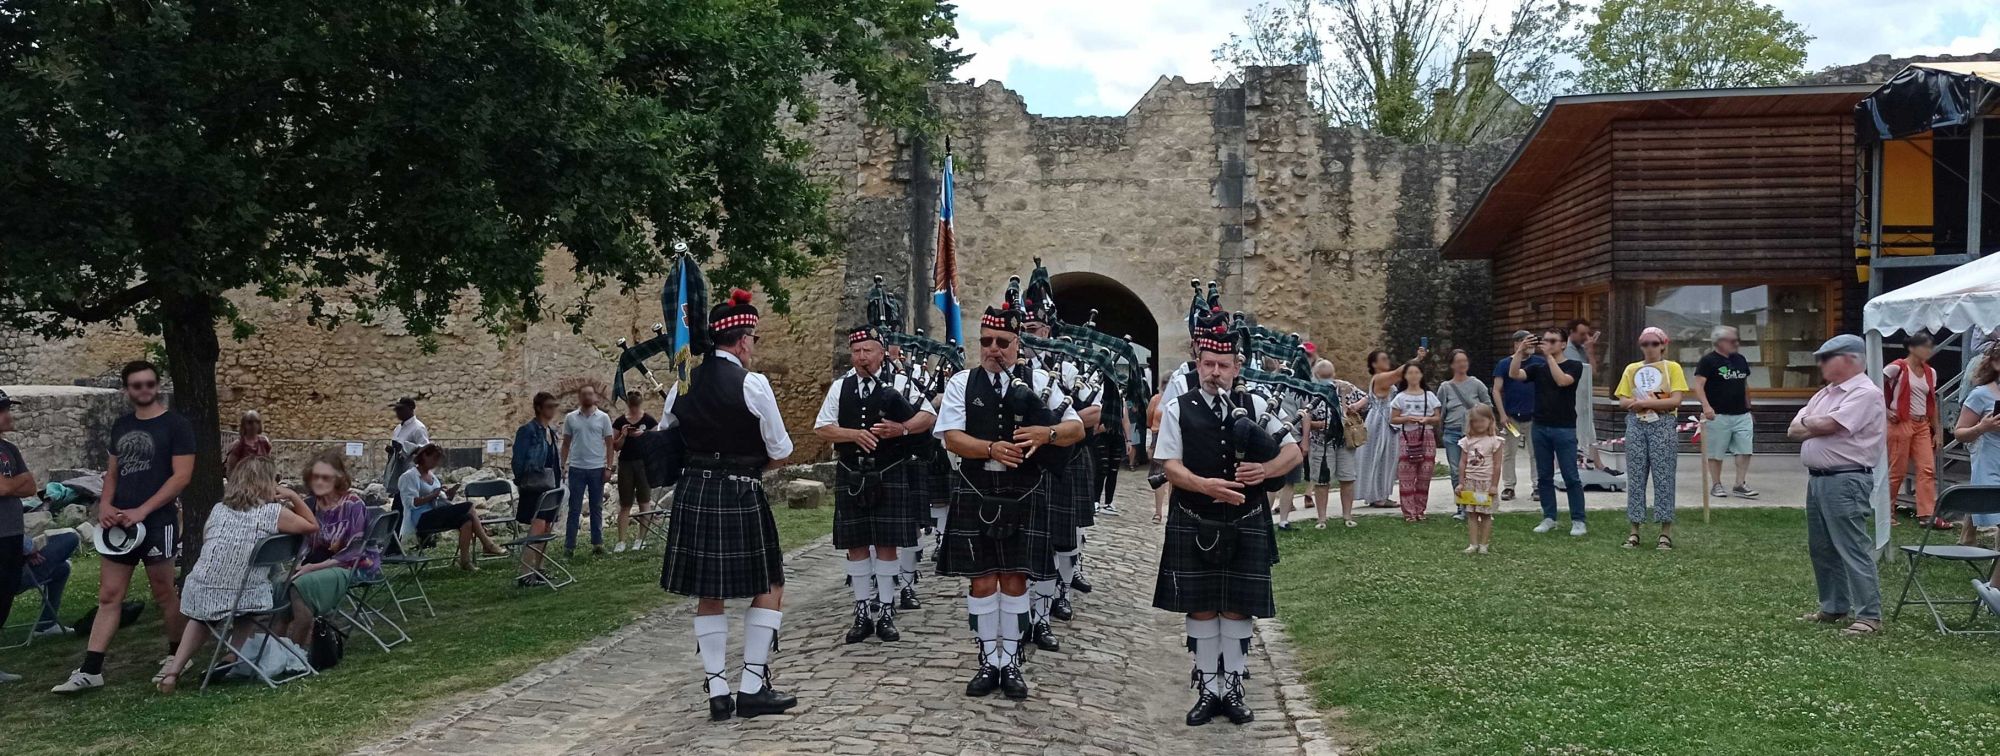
{"type": "Point", "coordinates": [1097, 357]}
{"type": "Point", "coordinates": [925, 364]}
{"type": "Point", "coordinates": [683, 302]}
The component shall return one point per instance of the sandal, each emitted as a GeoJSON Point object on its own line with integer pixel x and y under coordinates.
{"type": "Point", "coordinates": [1351, 524]}
{"type": "Point", "coordinates": [1321, 525]}
{"type": "Point", "coordinates": [1862, 627]}
{"type": "Point", "coordinates": [1825, 617]}
{"type": "Point", "coordinates": [1666, 543]}
{"type": "Point", "coordinates": [1632, 541]}
{"type": "Point", "coordinates": [167, 682]}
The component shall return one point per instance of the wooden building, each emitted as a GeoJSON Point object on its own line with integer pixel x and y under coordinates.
{"type": "Point", "coordinates": [1682, 210]}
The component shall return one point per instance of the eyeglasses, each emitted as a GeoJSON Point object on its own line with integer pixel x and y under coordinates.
{"type": "Point", "coordinates": [329, 477]}
{"type": "Point", "coordinates": [995, 342]}
{"type": "Point", "coordinates": [142, 384]}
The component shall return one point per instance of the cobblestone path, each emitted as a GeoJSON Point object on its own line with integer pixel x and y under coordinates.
{"type": "Point", "coordinates": [1119, 685]}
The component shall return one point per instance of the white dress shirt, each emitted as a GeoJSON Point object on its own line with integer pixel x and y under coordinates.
{"type": "Point", "coordinates": [1168, 445]}
{"type": "Point", "coordinates": [763, 403]}
{"type": "Point", "coordinates": [951, 415]}
{"type": "Point", "coordinates": [411, 434]}
{"type": "Point", "coordinates": [829, 408]}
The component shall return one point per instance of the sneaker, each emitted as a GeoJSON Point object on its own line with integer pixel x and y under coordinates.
{"type": "Point", "coordinates": [1988, 594]}
{"type": "Point", "coordinates": [1460, 516]}
{"type": "Point", "coordinates": [1485, 548]}
{"type": "Point", "coordinates": [8, 677]}
{"type": "Point", "coordinates": [1473, 549]}
{"type": "Point", "coordinates": [639, 545]}
{"type": "Point", "coordinates": [597, 549]}
{"type": "Point", "coordinates": [1546, 526]}
{"type": "Point", "coordinates": [1577, 528]}
{"type": "Point", "coordinates": [1717, 491]}
{"type": "Point", "coordinates": [55, 630]}
{"type": "Point", "coordinates": [1284, 526]}
{"type": "Point", "coordinates": [1744, 491]}
{"type": "Point", "coordinates": [78, 682]}
{"type": "Point", "coordinates": [1111, 509]}
{"type": "Point", "coordinates": [619, 549]}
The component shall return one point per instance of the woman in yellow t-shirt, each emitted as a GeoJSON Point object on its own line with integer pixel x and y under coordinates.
{"type": "Point", "coordinates": [1650, 391]}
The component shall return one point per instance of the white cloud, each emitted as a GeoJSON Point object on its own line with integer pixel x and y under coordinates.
{"type": "Point", "coordinates": [1111, 51]}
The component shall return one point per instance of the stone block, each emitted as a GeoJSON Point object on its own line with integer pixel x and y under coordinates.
{"type": "Point", "coordinates": [804, 494]}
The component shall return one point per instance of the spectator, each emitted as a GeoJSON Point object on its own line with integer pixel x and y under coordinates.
{"type": "Point", "coordinates": [1557, 381]}
{"type": "Point", "coordinates": [250, 441]}
{"type": "Point", "coordinates": [1290, 407]}
{"type": "Point", "coordinates": [410, 435]}
{"type": "Point", "coordinates": [428, 502]}
{"type": "Point", "coordinates": [251, 510]}
{"type": "Point", "coordinates": [1329, 460]}
{"type": "Point", "coordinates": [1478, 485]}
{"type": "Point", "coordinates": [1841, 432]}
{"type": "Point", "coordinates": [1582, 347]}
{"type": "Point", "coordinates": [1515, 402]}
{"type": "Point", "coordinates": [537, 471]}
{"type": "Point", "coordinates": [1155, 471]}
{"type": "Point", "coordinates": [16, 481]}
{"type": "Point", "coordinates": [1650, 391]}
{"type": "Point", "coordinates": [48, 565]}
{"type": "Point", "coordinates": [1722, 385]}
{"type": "Point", "coordinates": [1459, 395]}
{"type": "Point", "coordinates": [338, 553]}
{"type": "Point", "coordinates": [1416, 414]}
{"type": "Point", "coordinates": [586, 431]}
{"type": "Point", "coordinates": [151, 462]}
{"type": "Point", "coordinates": [1977, 424]}
{"type": "Point", "coordinates": [635, 494]}
{"type": "Point", "coordinates": [1913, 428]}
{"type": "Point", "coordinates": [1375, 475]}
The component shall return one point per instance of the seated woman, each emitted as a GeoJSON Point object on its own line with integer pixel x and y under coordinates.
{"type": "Point", "coordinates": [251, 510]}
{"type": "Point", "coordinates": [337, 554]}
{"type": "Point", "coordinates": [47, 566]}
{"type": "Point", "coordinates": [425, 498]}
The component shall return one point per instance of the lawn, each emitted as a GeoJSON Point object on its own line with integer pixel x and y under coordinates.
{"type": "Point", "coordinates": [486, 633]}
{"type": "Point", "coordinates": [1550, 646]}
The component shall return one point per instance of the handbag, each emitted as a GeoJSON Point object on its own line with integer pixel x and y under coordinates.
{"type": "Point", "coordinates": [1354, 428]}
{"type": "Point", "coordinates": [543, 479]}
{"type": "Point", "coordinates": [329, 645]}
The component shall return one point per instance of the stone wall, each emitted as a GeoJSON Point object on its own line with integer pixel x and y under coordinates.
{"type": "Point", "coordinates": [63, 427]}
{"type": "Point", "coordinates": [1325, 232]}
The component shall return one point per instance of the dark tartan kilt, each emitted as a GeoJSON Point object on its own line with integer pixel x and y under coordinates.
{"type": "Point", "coordinates": [944, 479]}
{"type": "Point", "coordinates": [1073, 493]}
{"type": "Point", "coordinates": [1186, 584]}
{"type": "Point", "coordinates": [884, 516]}
{"type": "Point", "coordinates": [967, 550]}
{"type": "Point", "coordinates": [722, 542]}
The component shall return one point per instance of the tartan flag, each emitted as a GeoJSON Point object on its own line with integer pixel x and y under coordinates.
{"type": "Point", "coordinates": [944, 268]}
{"type": "Point", "coordinates": [686, 301]}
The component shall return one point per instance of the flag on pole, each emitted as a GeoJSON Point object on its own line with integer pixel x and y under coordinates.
{"type": "Point", "coordinates": [686, 301]}
{"type": "Point", "coordinates": [944, 269]}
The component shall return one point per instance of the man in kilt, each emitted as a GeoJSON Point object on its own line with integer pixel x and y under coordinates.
{"type": "Point", "coordinates": [1072, 493]}
{"type": "Point", "coordinates": [997, 534]}
{"type": "Point", "coordinates": [721, 541]}
{"type": "Point", "coordinates": [877, 423]}
{"type": "Point", "coordinates": [1215, 566]}
{"type": "Point", "coordinates": [924, 509]}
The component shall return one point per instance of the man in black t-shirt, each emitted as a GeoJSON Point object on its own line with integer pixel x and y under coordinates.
{"type": "Point", "coordinates": [1556, 379]}
{"type": "Point", "coordinates": [152, 459]}
{"type": "Point", "coordinates": [1722, 384]}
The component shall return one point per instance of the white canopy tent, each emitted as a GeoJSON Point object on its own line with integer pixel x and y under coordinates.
{"type": "Point", "coordinates": [1965, 300]}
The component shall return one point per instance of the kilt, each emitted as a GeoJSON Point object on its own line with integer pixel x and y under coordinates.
{"type": "Point", "coordinates": [968, 552]}
{"type": "Point", "coordinates": [722, 542]}
{"type": "Point", "coordinates": [1186, 584]}
{"type": "Point", "coordinates": [944, 479]}
{"type": "Point", "coordinates": [884, 516]}
{"type": "Point", "coordinates": [1072, 492]}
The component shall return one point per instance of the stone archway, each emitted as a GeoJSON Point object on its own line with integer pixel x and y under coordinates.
{"type": "Point", "coordinates": [1119, 311]}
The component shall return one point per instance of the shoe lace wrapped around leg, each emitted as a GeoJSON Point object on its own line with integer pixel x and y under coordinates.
{"type": "Point", "coordinates": [763, 672]}
{"type": "Point", "coordinates": [714, 677]}
{"type": "Point", "coordinates": [1232, 688]}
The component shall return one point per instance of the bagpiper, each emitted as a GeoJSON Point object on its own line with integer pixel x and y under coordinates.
{"type": "Point", "coordinates": [925, 513]}
{"type": "Point", "coordinates": [878, 424]}
{"type": "Point", "coordinates": [998, 419]}
{"type": "Point", "coordinates": [1072, 485]}
{"type": "Point", "coordinates": [1222, 449]}
{"type": "Point", "coordinates": [722, 542]}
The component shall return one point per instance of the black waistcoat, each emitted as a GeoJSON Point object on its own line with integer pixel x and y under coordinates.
{"type": "Point", "coordinates": [1207, 452]}
{"type": "Point", "coordinates": [863, 412]}
{"type": "Point", "coordinates": [712, 415]}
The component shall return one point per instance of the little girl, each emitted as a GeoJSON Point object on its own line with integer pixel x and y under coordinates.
{"type": "Point", "coordinates": [1478, 485]}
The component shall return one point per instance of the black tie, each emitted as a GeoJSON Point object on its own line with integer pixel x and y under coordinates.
{"type": "Point", "coordinates": [996, 384]}
{"type": "Point", "coordinates": [1220, 408]}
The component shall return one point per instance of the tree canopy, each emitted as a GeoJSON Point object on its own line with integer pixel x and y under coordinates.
{"type": "Point", "coordinates": [415, 154]}
{"type": "Point", "coordinates": [1648, 45]}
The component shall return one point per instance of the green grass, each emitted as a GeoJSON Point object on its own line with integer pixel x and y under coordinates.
{"type": "Point", "coordinates": [486, 633]}
{"type": "Point", "coordinates": [1550, 646]}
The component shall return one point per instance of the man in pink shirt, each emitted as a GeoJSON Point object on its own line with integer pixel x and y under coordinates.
{"type": "Point", "coordinates": [1841, 432]}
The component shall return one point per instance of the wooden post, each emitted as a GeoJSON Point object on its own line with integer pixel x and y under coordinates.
{"type": "Point", "coordinates": [1701, 458]}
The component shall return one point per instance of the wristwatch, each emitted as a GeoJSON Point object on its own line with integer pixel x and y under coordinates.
{"type": "Point", "coordinates": [1052, 435]}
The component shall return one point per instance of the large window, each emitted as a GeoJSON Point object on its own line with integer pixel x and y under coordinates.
{"type": "Point", "coordinates": [1780, 326]}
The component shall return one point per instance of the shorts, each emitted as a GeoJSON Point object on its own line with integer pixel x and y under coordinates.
{"type": "Point", "coordinates": [1329, 462]}
{"type": "Point", "coordinates": [633, 489]}
{"type": "Point", "coordinates": [1727, 436]}
{"type": "Point", "coordinates": [527, 508]}
{"type": "Point", "coordinates": [161, 545]}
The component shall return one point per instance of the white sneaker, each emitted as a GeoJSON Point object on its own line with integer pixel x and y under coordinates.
{"type": "Point", "coordinates": [79, 682]}
{"type": "Point", "coordinates": [639, 545]}
{"type": "Point", "coordinates": [1577, 528]}
{"type": "Point", "coordinates": [1485, 548]}
{"type": "Point", "coordinates": [1988, 594]}
{"type": "Point", "coordinates": [619, 549]}
{"type": "Point", "coordinates": [1473, 549]}
{"type": "Point", "coordinates": [1546, 526]}
{"type": "Point", "coordinates": [54, 631]}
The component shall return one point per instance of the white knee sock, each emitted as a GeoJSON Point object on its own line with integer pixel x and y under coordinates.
{"type": "Point", "coordinates": [1041, 593]}
{"type": "Point", "coordinates": [760, 634]}
{"type": "Point", "coordinates": [1235, 636]}
{"type": "Point", "coordinates": [861, 578]}
{"type": "Point", "coordinates": [906, 563]}
{"type": "Point", "coordinates": [885, 580]}
{"type": "Point", "coordinates": [1066, 565]}
{"type": "Point", "coordinates": [1207, 651]}
{"type": "Point", "coordinates": [985, 612]}
{"type": "Point", "coordinates": [938, 517]}
{"type": "Point", "coordinates": [1013, 615]}
{"type": "Point", "coordinates": [711, 637]}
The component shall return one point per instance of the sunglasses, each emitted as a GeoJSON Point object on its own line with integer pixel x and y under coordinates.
{"type": "Point", "coordinates": [142, 384]}
{"type": "Point", "coordinates": [995, 341]}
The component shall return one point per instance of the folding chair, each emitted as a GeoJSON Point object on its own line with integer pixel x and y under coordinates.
{"type": "Point", "coordinates": [410, 569]}
{"type": "Point", "coordinates": [361, 609]}
{"type": "Point", "coordinates": [277, 553]}
{"type": "Point", "coordinates": [1954, 504]}
{"type": "Point", "coordinates": [552, 503]}
{"type": "Point", "coordinates": [34, 615]}
{"type": "Point", "coordinates": [488, 490]}
{"type": "Point", "coordinates": [653, 521]}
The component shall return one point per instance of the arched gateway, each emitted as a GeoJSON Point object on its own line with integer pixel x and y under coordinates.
{"type": "Point", "coordinates": [1120, 312]}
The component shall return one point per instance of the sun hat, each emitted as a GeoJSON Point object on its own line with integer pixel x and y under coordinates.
{"type": "Point", "coordinates": [119, 540]}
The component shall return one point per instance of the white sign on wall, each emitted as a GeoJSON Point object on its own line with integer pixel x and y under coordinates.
{"type": "Point", "coordinates": [495, 446]}
{"type": "Point", "coordinates": [354, 448]}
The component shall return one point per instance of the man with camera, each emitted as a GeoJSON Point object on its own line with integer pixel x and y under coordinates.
{"type": "Point", "coordinates": [876, 421]}
{"type": "Point", "coordinates": [1223, 452]}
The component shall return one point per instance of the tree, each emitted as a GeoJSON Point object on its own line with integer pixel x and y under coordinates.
{"type": "Point", "coordinates": [1648, 45]}
{"type": "Point", "coordinates": [396, 154]}
{"type": "Point", "coordinates": [1416, 70]}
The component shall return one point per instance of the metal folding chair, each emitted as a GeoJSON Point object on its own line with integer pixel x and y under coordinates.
{"type": "Point", "coordinates": [653, 521]}
{"type": "Point", "coordinates": [407, 584]}
{"type": "Point", "coordinates": [551, 504]}
{"type": "Point", "coordinates": [498, 489]}
{"type": "Point", "coordinates": [277, 553]}
{"type": "Point", "coordinates": [33, 615]}
{"type": "Point", "coordinates": [361, 609]}
{"type": "Point", "coordinates": [1954, 504]}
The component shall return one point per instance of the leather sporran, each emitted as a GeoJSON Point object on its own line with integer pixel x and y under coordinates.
{"type": "Point", "coordinates": [1215, 541]}
{"type": "Point", "coordinates": [1000, 517]}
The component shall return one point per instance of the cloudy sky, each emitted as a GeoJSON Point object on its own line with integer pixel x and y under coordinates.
{"type": "Point", "coordinates": [1095, 57]}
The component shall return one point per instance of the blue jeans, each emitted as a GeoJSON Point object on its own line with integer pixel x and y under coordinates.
{"type": "Point", "coordinates": [580, 483]}
{"type": "Point", "coordinates": [1451, 437]}
{"type": "Point", "coordinates": [1555, 449]}
{"type": "Point", "coordinates": [52, 572]}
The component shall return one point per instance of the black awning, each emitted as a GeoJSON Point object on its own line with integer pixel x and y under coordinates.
{"type": "Point", "coordinates": [1928, 96]}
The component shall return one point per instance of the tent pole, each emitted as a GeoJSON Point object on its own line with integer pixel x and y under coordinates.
{"type": "Point", "coordinates": [1880, 498]}
{"type": "Point", "coordinates": [1975, 175]}
{"type": "Point", "coordinates": [1875, 219]}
